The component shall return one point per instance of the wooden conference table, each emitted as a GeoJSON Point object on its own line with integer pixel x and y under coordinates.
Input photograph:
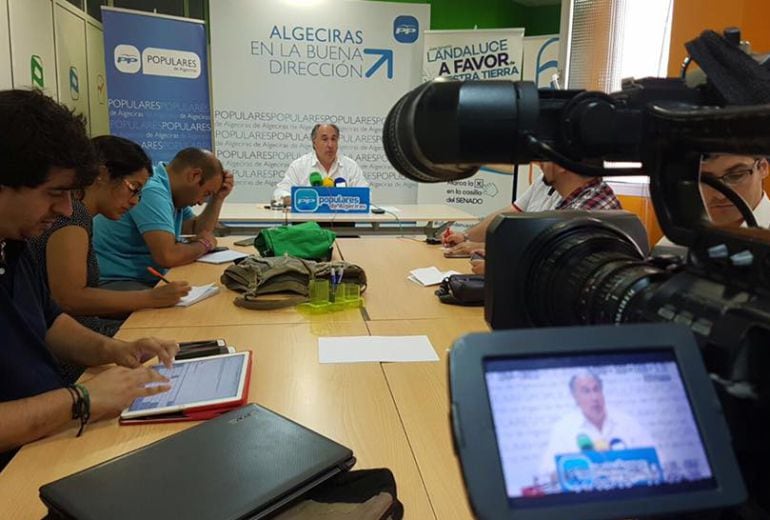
{"type": "Point", "coordinates": [245, 218]}
{"type": "Point", "coordinates": [391, 415]}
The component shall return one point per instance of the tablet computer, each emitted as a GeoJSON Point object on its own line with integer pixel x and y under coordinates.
{"type": "Point", "coordinates": [589, 423]}
{"type": "Point", "coordinates": [199, 387]}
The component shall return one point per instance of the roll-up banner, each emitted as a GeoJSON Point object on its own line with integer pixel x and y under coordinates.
{"type": "Point", "coordinates": [493, 54]}
{"type": "Point", "coordinates": [541, 59]}
{"type": "Point", "coordinates": [157, 73]}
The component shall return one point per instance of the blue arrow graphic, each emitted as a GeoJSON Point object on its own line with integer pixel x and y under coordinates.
{"type": "Point", "coordinates": [386, 56]}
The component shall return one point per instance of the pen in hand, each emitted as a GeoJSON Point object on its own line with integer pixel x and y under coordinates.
{"type": "Point", "coordinates": [154, 272]}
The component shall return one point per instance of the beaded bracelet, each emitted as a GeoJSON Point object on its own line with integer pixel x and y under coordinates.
{"type": "Point", "coordinates": [81, 407]}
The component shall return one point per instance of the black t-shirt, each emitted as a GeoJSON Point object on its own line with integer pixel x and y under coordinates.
{"type": "Point", "coordinates": [27, 367]}
{"type": "Point", "coordinates": [37, 248]}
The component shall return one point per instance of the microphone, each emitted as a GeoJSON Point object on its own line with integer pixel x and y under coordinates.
{"type": "Point", "coordinates": [339, 182]}
{"type": "Point", "coordinates": [316, 179]}
{"type": "Point", "coordinates": [584, 442]}
{"type": "Point", "coordinates": [327, 182]}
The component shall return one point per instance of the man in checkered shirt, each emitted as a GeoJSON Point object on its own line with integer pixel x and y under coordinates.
{"type": "Point", "coordinates": [556, 189]}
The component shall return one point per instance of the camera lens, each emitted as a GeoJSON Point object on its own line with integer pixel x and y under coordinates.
{"type": "Point", "coordinates": [584, 271]}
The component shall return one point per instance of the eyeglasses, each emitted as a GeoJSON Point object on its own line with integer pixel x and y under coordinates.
{"type": "Point", "coordinates": [136, 191]}
{"type": "Point", "coordinates": [736, 177]}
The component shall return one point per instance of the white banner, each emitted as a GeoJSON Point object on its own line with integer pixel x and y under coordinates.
{"type": "Point", "coordinates": [474, 54]}
{"type": "Point", "coordinates": [494, 54]}
{"type": "Point", "coordinates": [541, 59]}
{"type": "Point", "coordinates": [279, 67]}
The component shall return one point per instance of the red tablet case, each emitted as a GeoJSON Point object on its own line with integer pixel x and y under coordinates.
{"type": "Point", "coordinates": [198, 413]}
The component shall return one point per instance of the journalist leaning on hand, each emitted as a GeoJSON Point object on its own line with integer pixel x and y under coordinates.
{"type": "Point", "coordinates": [45, 156]}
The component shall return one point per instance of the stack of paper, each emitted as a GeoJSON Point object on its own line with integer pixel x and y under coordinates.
{"type": "Point", "coordinates": [198, 293]}
{"type": "Point", "coordinates": [426, 276]}
{"type": "Point", "coordinates": [361, 349]}
{"type": "Point", "coordinates": [222, 257]}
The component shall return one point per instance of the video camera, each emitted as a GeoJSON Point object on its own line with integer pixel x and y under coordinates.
{"type": "Point", "coordinates": [558, 269]}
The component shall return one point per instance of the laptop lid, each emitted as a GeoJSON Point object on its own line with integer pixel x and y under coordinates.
{"type": "Point", "coordinates": [243, 464]}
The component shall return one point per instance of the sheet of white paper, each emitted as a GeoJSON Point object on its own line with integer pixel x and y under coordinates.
{"type": "Point", "coordinates": [362, 349]}
{"type": "Point", "coordinates": [198, 293]}
{"type": "Point", "coordinates": [221, 257]}
{"type": "Point", "coordinates": [426, 276]}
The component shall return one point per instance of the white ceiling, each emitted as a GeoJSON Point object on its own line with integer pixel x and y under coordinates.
{"type": "Point", "coordinates": [537, 3]}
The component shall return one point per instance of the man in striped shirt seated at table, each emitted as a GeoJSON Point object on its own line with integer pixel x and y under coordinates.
{"type": "Point", "coordinates": [557, 188]}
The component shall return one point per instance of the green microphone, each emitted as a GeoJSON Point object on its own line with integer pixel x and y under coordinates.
{"type": "Point", "coordinates": [316, 179]}
{"type": "Point", "coordinates": [584, 442]}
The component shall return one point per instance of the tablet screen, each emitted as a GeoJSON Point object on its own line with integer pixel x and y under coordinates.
{"type": "Point", "coordinates": [206, 380]}
{"type": "Point", "coordinates": [576, 428]}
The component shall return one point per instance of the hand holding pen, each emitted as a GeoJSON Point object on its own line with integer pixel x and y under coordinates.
{"type": "Point", "coordinates": [450, 239]}
{"type": "Point", "coordinates": [166, 295]}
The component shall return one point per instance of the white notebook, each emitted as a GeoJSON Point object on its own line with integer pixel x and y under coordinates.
{"type": "Point", "coordinates": [222, 257]}
{"type": "Point", "coordinates": [428, 276]}
{"type": "Point", "coordinates": [198, 293]}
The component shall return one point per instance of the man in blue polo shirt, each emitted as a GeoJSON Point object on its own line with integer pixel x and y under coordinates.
{"type": "Point", "coordinates": [45, 157]}
{"type": "Point", "coordinates": [147, 236]}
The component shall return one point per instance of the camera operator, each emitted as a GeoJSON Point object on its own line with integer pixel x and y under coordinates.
{"type": "Point", "coordinates": [557, 188]}
{"type": "Point", "coordinates": [745, 175]}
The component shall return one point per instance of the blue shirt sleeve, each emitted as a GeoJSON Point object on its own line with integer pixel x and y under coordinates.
{"type": "Point", "coordinates": [155, 212]}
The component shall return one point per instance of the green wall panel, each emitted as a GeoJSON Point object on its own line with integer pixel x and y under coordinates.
{"type": "Point", "coordinates": [491, 14]}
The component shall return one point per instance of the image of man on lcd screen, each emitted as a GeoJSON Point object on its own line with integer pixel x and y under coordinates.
{"type": "Point", "coordinates": [592, 427]}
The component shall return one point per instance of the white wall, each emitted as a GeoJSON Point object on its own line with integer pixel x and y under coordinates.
{"type": "Point", "coordinates": [33, 57]}
{"type": "Point", "coordinates": [71, 65]}
{"type": "Point", "coordinates": [59, 48]}
{"type": "Point", "coordinates": [97, 82]}
{"type": "Point", "coordinates": [6, 81]}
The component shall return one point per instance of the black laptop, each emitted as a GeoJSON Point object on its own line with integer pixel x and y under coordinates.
{"type": "Point", "coordinates": [247, 463]}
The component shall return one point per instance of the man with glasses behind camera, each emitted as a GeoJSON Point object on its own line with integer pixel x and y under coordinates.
{"type": "Point", "coordinates": [745, 175]}
{"type": "Point", "coordinates": [148, 235]}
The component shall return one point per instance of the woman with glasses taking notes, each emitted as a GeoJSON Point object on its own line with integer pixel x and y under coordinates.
{"type": "Point", "coordinates": [66, 249]}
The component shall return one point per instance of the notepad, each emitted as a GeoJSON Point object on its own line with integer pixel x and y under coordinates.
{"type": "Point", "coordinates": [426, 276]}
{"type": "Point", "coordinates": [222, 257]}
{"type": "Point", "coordinates": [362, 349]}
{"type": "Point", "coordinates": [198, 293]}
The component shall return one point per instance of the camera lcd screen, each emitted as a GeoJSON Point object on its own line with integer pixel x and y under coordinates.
{"type": "Point", "coordinates": [575, 428]}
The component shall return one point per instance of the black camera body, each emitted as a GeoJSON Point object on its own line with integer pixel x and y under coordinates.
{"type": "Point", "coordinates": [562, 269]}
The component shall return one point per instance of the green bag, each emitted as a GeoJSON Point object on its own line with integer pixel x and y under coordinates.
{"type": "Point", "coordinates": [307, 240]}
